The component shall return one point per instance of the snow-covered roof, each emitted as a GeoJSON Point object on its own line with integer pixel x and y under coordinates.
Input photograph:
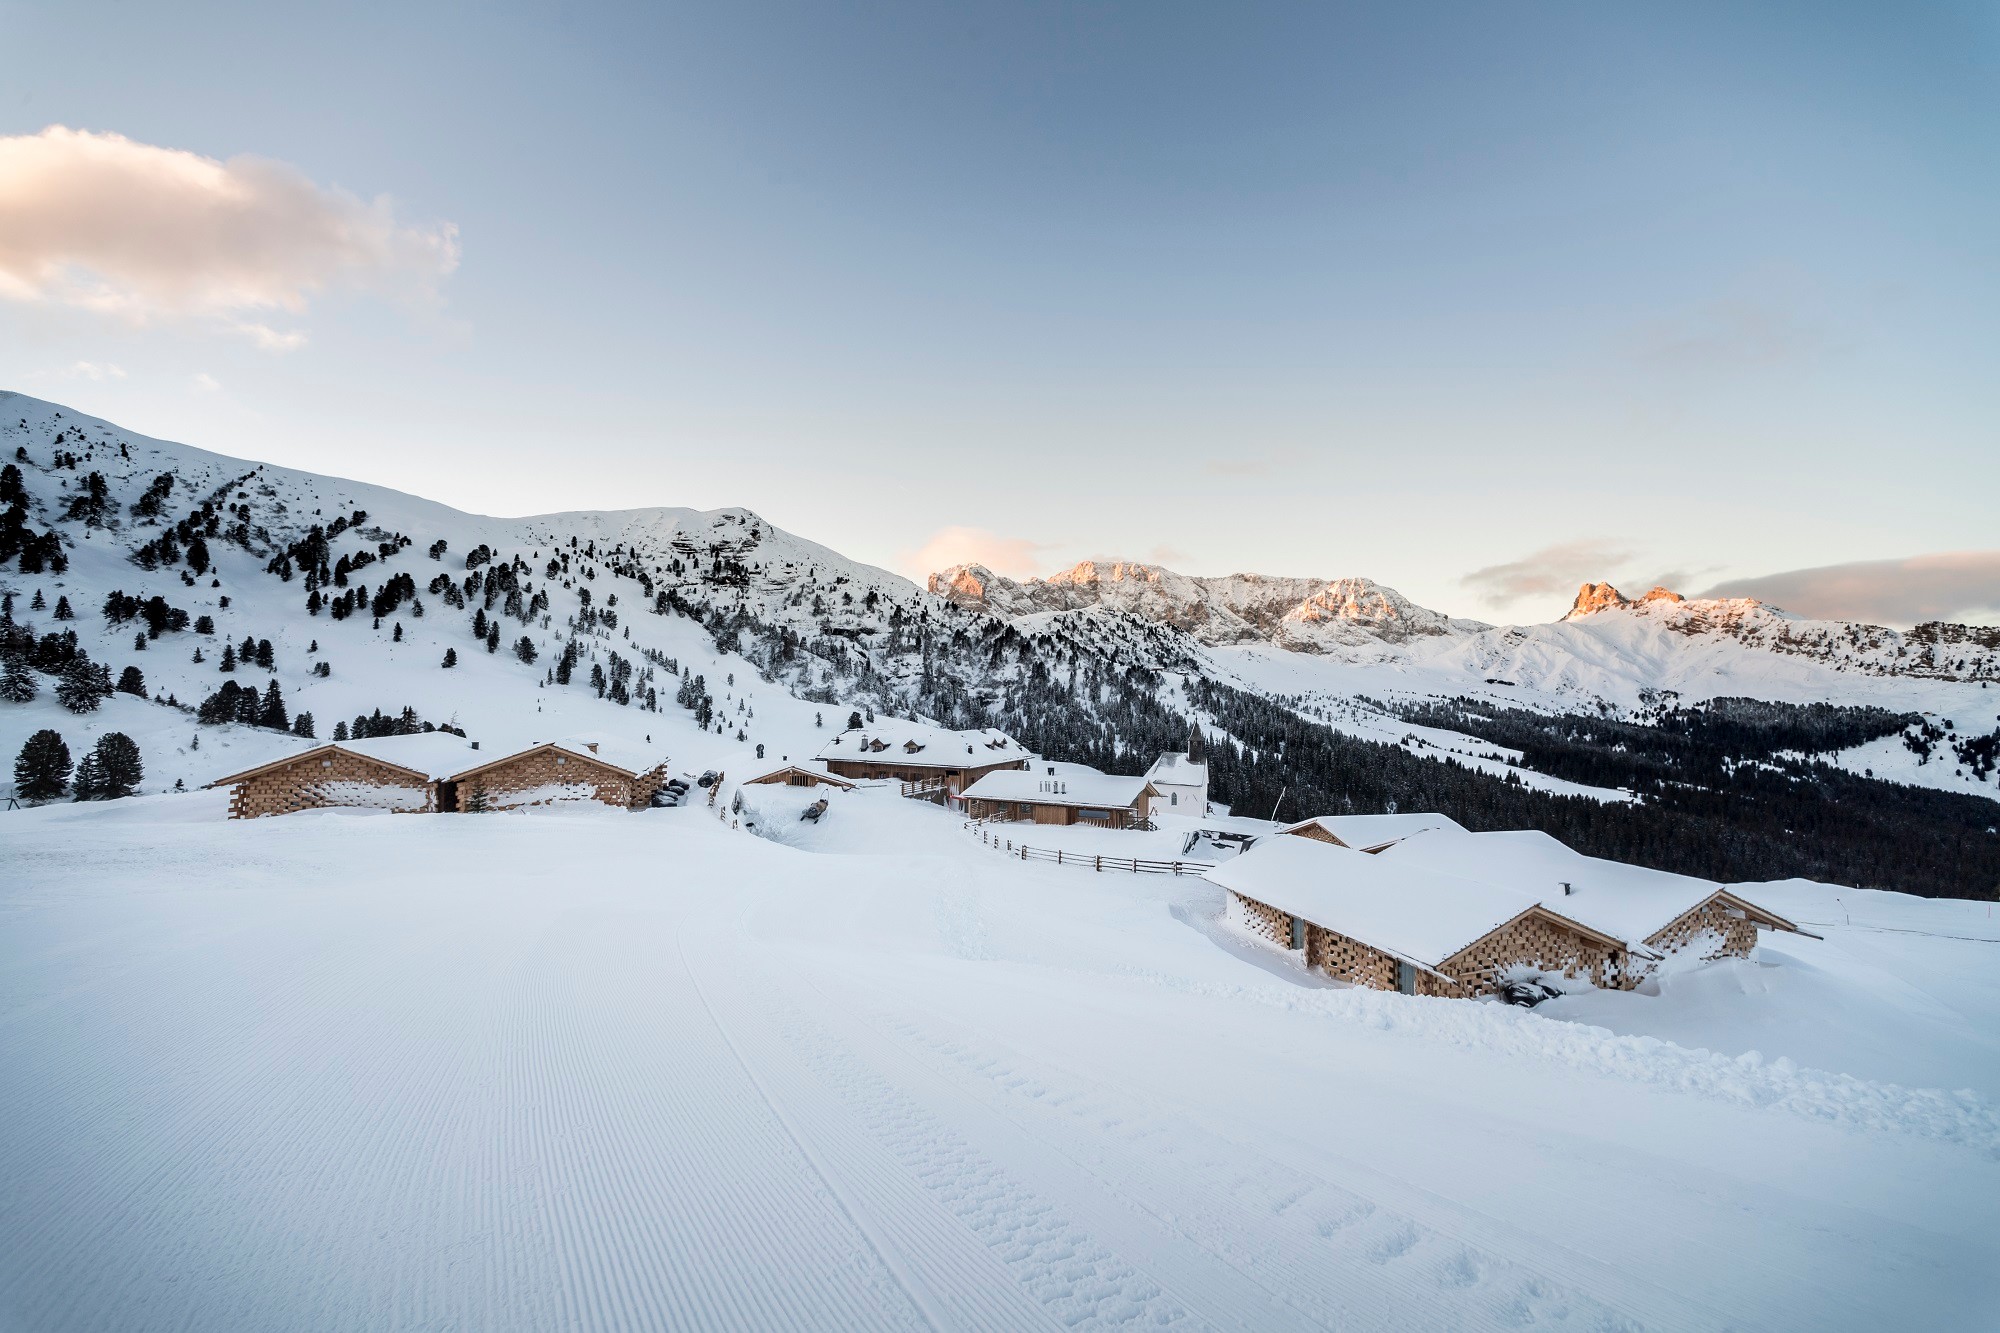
{"type": "Point", "coordinates": [1178, 769]}
{"type": "Point", "coordinates": [619, 751]}
{"type": "Point", "coordinates": [1070, 788]}
{"type": "Point", "coordinates": [892, 739]}
{"type": "Point", "coordinates": [1406, 910]}
{"type": "Point", "coordinates": [1367, 833]}
{"type": "Point", "coordinates": [434, 754]}
{"type": "Point", "coordinates": [1628, 901]}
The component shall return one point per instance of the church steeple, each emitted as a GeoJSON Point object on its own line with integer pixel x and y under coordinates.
{"type": "Point", "coordinates": [1197, 751]}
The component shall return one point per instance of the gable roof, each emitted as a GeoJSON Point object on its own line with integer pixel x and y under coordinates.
{"type": "Point", "coordinates": [1631, 902]}
{"type": "Point", "coordinates": [569, 748]}
{"type": "Point", "coordinates": [425, 756]}
{"type": "Point", "coordinates": [817, 774]}
{"type": "Point", "coordinates": [1368, 833]}
{"type": "Point", "coordinates": [920, 745]}
{"type": "Point", "coordinates": [1176, 768]}
{"type": "Point", "coordinates": [1070, 788]}
{"type": "Point", "coordinates": [1405, 911]}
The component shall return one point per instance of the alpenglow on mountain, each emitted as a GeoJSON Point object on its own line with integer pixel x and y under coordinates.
{"type": "Point", "coordinates": [1302, 614]}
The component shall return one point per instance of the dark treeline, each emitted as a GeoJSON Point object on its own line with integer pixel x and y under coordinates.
{"type": "Point", "coordinates": [1702, 744]}
{"type": "Point", "coordinates": [1772, 819]}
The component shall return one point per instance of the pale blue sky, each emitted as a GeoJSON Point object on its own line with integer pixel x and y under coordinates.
{"type": "Point", "coordinates": [1702, 291]}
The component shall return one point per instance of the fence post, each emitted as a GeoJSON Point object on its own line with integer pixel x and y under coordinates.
{"type": "Point", "coordinates": [1100, 864]}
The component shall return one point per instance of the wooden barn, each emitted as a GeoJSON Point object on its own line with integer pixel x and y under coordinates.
{"type": "Point", "coordinates": [1659, 914]}
{"type": "Point", "coordinates": [555, 772]}
{"type": "Point", "coordinates": [1367, 833]}
{"type": "Point", "coordinates": [791, 775]}
{"type": "Point", "coordinates": [1069, 797]}
{"type": "Point", "coordinates": [1367, 920]}
{"type": "Point", "coordinates": [398, 773]}
{"type": "Point", "coordinates": [913, 753]}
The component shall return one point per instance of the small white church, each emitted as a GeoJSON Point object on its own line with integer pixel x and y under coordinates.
{"type": "Point", "coordinates": [1182, 779]}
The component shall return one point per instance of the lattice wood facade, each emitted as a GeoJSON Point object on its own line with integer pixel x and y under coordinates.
{"type": "Point", "coordinates": [1724, 918]}
{"type": "Point", "coordinates": [893, 763]}
{"type": "Point", "coordinates": [1537, 938]}
{"type": "Point", "coordinates": [546, 775]}
{"type": "Point", "coordinates": [328, 777]}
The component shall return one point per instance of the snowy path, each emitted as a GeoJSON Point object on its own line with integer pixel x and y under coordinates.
{"type": "Point", "coordinates": [628, 1073]}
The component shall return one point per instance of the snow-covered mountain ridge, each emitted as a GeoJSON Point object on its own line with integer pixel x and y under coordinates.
{"type": "Point", "coordinates": [1302, 614]}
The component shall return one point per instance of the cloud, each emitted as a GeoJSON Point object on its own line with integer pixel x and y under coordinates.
{"type": "Point", "coordinates": [1012, 556]}
{"type": "Point", "coordinates": [83, 370]}
{"type": "Point", "coordinates": [148, 234]}
{"type": "Point", "coordinates": [206, 383]}
{"type": "Point", "coordinates": [1956, 585]}
{"type": "Point", "coordinates": [1551, 570]}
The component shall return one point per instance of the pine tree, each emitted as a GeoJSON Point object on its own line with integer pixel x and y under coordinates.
{"type": "Point", "coordinates": [493, 637]}
{"type": "Point", "coordinates": [89, 779]}
{"type": "Point", "coordinates": [139, 642]}
{"type": "Point", "coordinates": [854, 721]}
{"type": "Point", "coordinates": [18, 685]}
{"type": "Point", "coordinates": [248, 652]}
{"type": "Point", "coordinates": [302, 725]}
{"type": "Point", "coordinates": [63, 611]}
{"type": "Point", "coordinates": [119, 770]}
{"type": "Point", "coordinates": [40, 603]}
{"type": "Point", "coordinates": [197, 654]}
{"type": "Point", "coordinates": [340, 731]}
{"type": "Point", "coordinates": [41, 772]}
{"type": "Point", "coordinates": [228, 657]}
{"type": "Point", "coordinates": [272, 712]}
{"type": "Point", "coordinates": [397, 636]}
{"type": "Point", "coordinates": [479, 623]}
{"type": "Point", "coordinates": [131, 681]}
{"type": "Point", "coordinates": [525, 649]}
{"type": "Point", "coordinates": [265, 655]}
{"type": "Point", "coordinates": [450, 658]}
{"type": "Point", "coordinates": [83, 685]}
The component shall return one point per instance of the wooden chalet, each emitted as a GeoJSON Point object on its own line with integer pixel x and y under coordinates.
{"type": "Point", "coordinates": [1659, 914]}
{"type": "Point", "coordinates": [398, 773]}
{"type": "Point", "coordinates": [555, 772]}
{"type": "Point", "coordinates": [791, 775]}
{"type": "Point", "coordinates": [921, 756]}
{"type": "Point", "coordinates": [1367, 833]}
{"type": "Point", "coordinates": [1099, 799]}
{"type": "Point", "coordinates": [1366, 920]}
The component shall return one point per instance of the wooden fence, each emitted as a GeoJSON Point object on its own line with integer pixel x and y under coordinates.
{"type": "Point", "coordinates": [1087, 860]}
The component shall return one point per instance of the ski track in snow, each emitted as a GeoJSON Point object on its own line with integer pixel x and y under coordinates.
{"type": "Point", "coordinates": [695, 1080]}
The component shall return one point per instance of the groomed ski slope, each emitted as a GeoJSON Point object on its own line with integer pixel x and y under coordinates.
{"type": "Point", "coordinates": [605, 1071]}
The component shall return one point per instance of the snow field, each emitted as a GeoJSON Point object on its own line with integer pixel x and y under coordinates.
{"type": "Point", "coordinates": [585, 1069]}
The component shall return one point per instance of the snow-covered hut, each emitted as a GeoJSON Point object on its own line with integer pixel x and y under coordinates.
{"type": "Point", "coordinates": [1368, 833]}
{"type": "Point", "coordinates": [1069, 796]}
{"type": "Point", "coordinates": [554, 772]}
{"type": "Point", "coordinates": [1657, 913]}
{"type": "Point", "coordinates": [1391, 926]}
{"type": "Point", "coordinates": [921, 755]}
{"type": "Point", "coordinates": [792, 775]}
{"type": "Point", "coordinates": [399, 773]}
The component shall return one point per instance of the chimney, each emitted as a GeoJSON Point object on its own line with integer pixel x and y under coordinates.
{"type": "Point", "coordinates": [1567, 890]}
{"type": "Point", "coordinates": [590, 746]}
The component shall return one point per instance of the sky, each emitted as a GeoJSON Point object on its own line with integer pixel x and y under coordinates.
{"type": "Point", "coordinates": [1478, 301]}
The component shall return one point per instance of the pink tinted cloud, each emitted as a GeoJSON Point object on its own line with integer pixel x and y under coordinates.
{"type": "Point", "coordinates": [144, 233]}
{"type": "Point", "coordinates": [1015, 557]}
